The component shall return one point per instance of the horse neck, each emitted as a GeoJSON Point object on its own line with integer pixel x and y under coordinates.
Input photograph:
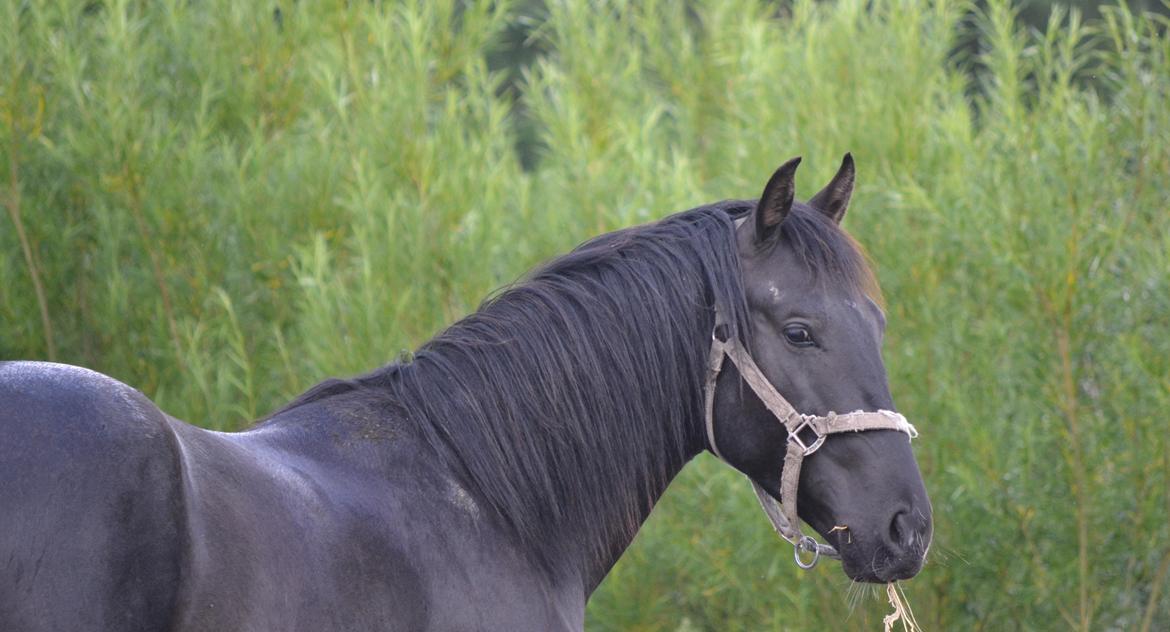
{"type": "Point", "coordinates": [594, 565]}
{"type": "Point", "coordinates": [568, 421]}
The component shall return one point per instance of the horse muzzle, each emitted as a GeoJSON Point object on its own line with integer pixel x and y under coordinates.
{"type": "Point", "coordinates": [893, 549]}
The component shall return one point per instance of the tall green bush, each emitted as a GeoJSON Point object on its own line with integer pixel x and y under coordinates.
{"type": "Point", "coordinates": [221, 204]}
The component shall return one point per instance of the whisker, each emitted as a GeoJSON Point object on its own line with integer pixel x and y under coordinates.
{"type": "Point", "coordinates": [856, 594]}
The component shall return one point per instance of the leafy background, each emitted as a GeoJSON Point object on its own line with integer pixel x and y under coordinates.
{"type": "Point", "coordinates": [221, 203]}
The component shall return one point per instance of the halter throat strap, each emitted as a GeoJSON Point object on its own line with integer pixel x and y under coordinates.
{"type": "Point", "coordinates": [806, 434]}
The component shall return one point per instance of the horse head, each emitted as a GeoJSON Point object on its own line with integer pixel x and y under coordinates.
{"type": "Point", "coordinates": [814, 330]}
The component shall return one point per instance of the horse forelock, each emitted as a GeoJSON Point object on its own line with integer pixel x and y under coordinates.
{"type": "Point", "coordinates": [829, 252]}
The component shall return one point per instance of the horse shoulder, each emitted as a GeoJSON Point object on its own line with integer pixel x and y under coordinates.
{"type": "Point", "coordinates": [471, 572]}
{"type": "Point", "coordinates": [406, 544]}
{"type": "Point", "coordinates": [286, 532]}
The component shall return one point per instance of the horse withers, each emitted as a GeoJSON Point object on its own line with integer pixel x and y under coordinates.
{"type": "Point", "coordinates": [492, 480]}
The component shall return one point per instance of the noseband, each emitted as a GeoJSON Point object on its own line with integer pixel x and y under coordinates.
{"type": "Point", "coordinates": [806, 434]}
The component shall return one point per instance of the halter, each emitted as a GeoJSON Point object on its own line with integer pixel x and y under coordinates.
{"type": "Point", "coordinates": [806, 434]}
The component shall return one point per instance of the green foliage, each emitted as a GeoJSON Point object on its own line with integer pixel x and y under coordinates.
{"type": "Point", "coordinates": [221, 205]}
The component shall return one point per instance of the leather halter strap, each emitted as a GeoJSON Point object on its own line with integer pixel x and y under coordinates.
{"type": "Point", "coordinates": [806, 434]}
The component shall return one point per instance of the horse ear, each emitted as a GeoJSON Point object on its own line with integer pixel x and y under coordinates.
{"type": "Point", "coordinates": [834, 198]}
{"type": "Point", "coordinates": [776, 201]}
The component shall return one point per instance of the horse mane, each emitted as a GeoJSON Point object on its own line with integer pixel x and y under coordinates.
{"type": "Point", "coordinates": [566, 402]}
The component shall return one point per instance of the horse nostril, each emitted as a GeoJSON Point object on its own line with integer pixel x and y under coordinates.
{"type": "Point", "coordinates": [900, 531]}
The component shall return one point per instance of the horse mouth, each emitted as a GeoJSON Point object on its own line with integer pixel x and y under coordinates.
{"type": "Point", "coordinates": [884, 571]}
{"type": "Point", "coordinates": [880, 564]}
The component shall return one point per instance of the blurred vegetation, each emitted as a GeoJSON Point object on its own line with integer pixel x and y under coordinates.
{"type": "Point", "coordinates": [222, 203]}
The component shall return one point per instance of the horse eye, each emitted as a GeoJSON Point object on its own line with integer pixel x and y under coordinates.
{"type": "Point", "coordinates": [798, 335]}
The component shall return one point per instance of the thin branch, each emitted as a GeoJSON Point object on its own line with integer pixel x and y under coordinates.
{"type": "Point", "coordinates": [1155, 589]}
{"type": "Point", "coordinates": [155, 264]}
{"type": "Point", "coordinates": [12, 202]}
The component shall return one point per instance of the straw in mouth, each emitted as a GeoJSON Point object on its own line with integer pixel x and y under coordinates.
{"type": "Point", "coordinates": [902, 612]}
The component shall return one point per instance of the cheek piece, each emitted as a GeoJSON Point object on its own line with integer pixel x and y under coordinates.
{"type": "Point", "coordinates": [806, 434]}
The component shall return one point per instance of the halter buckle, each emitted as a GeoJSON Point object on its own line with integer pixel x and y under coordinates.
{"type": "Point", "coordinates": [806, 426]}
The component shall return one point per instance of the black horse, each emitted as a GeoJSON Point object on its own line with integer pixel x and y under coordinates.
{"type": "Point", "coordinates": [491, 481]}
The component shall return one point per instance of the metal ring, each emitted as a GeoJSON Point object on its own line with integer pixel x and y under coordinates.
{"type": "Point", "coordinates": [726, 333]}
{"type": "Point", "coordinates": [808, 544]}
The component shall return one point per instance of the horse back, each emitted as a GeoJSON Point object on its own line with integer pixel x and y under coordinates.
{"type": "Point", "coordinates": [91, 507]}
